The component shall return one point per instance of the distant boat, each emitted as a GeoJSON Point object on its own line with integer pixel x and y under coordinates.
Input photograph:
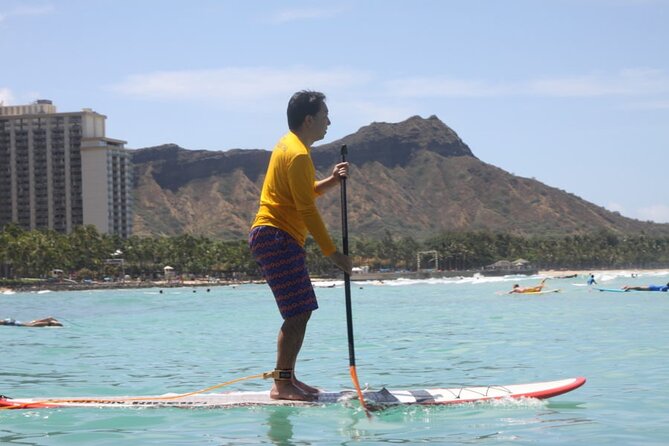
{"type": "Point", "coordinates": [324, 284]}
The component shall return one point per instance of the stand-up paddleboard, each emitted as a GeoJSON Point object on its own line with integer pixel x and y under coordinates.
{"type": "Point", "coordinates": [381, 398]}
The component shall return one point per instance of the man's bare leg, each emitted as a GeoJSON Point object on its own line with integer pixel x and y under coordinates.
{"type": "Point", "coordinates": [289, 343]}
{"type": "Point", "coordinates": [305, 387]}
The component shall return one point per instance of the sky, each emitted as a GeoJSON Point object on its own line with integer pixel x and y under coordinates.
{"type": "Point", "coordinates": [573, 93]}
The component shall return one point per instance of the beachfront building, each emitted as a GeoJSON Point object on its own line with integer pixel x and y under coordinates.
{"type": "Point", "coordinates": [59, 170]}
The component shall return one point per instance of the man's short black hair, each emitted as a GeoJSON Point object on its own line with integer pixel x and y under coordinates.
{"type": "Point", "coordinates": [302, 104]}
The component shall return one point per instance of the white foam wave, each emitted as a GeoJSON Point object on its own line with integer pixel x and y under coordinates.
{"type": "Point", "coordinates": [600, 276]}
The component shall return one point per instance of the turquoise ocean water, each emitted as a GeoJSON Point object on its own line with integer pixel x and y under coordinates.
{"type": "Point", "coordinates": [409, 334]}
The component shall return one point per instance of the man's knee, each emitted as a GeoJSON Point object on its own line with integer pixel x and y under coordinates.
{"type": "Point", "coordinates": [301, 318]}
{"type": "Point", "coordinates": [298, 321]}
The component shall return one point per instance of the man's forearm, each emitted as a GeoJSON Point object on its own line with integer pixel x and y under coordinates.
{"type": "Point", "coordinates": [323, 186]}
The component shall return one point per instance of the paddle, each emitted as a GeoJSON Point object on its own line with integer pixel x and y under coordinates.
{"type": "Point", "coordinates": [347, 288]}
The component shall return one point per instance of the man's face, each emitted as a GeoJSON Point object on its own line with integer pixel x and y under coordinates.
{"type": "Point", "coordinates": [320, 123]}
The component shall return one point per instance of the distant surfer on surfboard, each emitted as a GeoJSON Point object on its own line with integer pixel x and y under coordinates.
{"type": "Point", "coordinates": [533, 289]}
{"type": "Point", "coordinates": [664, 288]}
{"type": "Point", "coordinates": [287, 213]}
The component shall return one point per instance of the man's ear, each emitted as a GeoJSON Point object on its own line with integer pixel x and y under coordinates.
{"type": "Point", "coordinates": [308, 120]}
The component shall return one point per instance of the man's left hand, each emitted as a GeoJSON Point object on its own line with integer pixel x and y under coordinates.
{"type": "Point", "coordinates": [340, 171]}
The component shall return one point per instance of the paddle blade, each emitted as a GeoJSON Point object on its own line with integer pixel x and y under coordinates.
{"type": "Point", "coordinates": [356, 384]}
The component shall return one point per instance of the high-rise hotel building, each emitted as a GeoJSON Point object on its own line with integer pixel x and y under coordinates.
{"type": "Point", "coordinates": [59, 170]}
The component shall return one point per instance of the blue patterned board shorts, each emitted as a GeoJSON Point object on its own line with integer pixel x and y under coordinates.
{"type": "Point", "coordinates": [283, 264]}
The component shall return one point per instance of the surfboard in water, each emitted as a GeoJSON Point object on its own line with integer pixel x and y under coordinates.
{"type": "Point", "coordinates": [528, 293]}
{"type": "Point", "coordinates": [381, 398]}
{"type": "Point", "coordinates": [533, 293]}
{"type": "Point", "coordinates": [613, 290]}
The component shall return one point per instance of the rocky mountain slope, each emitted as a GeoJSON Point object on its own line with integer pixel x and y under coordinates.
{"type": "Point", "coordinates": [416, 178]}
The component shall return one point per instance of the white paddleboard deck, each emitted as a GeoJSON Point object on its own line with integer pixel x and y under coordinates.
{"type": "Point", "coordinates": [384, 397]}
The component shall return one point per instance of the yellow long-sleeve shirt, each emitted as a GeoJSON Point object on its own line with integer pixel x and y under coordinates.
{"type": "Point", "coordinates": [288, 198]}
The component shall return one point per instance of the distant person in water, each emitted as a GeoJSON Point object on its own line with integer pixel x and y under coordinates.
{"type": "Point", "coordinates": [647, 288]}
{"type": "Point", "coordinates": [46, 322]}
{"type": "Point", "coordinates": [533, 289]}
{"type": "Point", "coordinates": [591, 280]}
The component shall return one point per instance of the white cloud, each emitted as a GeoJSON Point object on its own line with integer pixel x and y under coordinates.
{"type": "Point", "coordinates": [235, 85]}
{"type": "Point", "coordinates": [659, 213]}
{"type": "Point", "coordinates": [426, 87]}
{"type": "Point", "coordinates": [650, 105]}
{"type": "Point", "coordinates": [26, 11]}
{"type": "Point", "coordinates": [6, 96]}
{"type": "Point", "coordinates": [638, 81]}
{"type": "Point", "coordinates": [239, 86]}
{"type": "Point", "coordinates": [583, 86]}
{"type": "Point", "coordinates": [367, 111]}
{"type": "Point", "coordinates": [616, 207]}
{"type": "Point", "coordinates": [293, 15]}
{"type": "Point", "coordinates": [629, 82]}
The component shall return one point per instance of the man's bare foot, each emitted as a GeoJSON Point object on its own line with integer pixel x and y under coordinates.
{"type": "Point", "coordinates": [305, 387]}
{"type": "Point", "coordinates": [286, 390]}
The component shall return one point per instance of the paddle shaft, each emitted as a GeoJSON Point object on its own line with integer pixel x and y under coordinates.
{"type": "Point", "coordinates": [347, 288]}
{"type": "Point", "coordinates": [347, 277]}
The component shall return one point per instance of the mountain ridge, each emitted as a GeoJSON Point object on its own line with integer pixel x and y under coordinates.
{"type": "Point", "coordinates": [414, 178]}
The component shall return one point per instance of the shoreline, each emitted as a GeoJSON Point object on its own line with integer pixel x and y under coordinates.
{"type": "Point", "coordinates": [68, 286]}
{"type": "Point", "coordinates": [554, 274]}
{"type": "Point", "coordinates": [596, 272]}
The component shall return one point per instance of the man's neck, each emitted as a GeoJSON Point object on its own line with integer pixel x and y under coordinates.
{"type": "Point", "coordinates": [302, 136]}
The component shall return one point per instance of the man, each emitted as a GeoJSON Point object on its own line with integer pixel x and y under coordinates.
{"type": "Point", "coordinates": [46, 322]}
{"type": "Point", "coordinates": [647, 288]}
{"type": "Point", "coordinates": [534, 289]}
{"type": "Point", "coordinates": [287, 213]}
